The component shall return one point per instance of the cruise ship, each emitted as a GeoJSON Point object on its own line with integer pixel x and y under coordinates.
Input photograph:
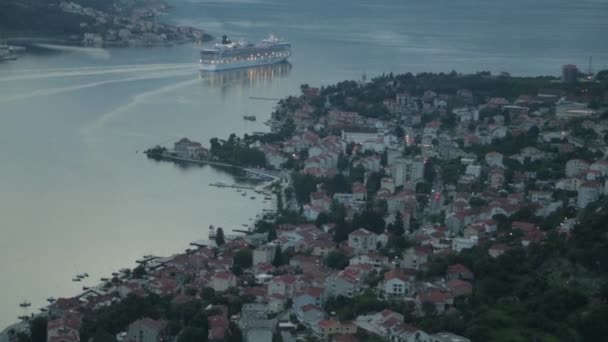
{"type": "Point", "coordinates": [233, 55]}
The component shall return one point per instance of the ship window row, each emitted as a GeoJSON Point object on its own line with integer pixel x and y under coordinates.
{"type": "Point", "coordinates": [252, 57]}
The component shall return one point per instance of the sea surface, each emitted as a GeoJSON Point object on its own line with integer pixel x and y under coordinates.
{"type": "Point", "coordinates": [77, 194]}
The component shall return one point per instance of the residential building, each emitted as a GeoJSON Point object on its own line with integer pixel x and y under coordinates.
{"type": "Point", "coordinates": [147, 330]}
{"type": "Point", "coordinates": [588, 192]}
{"type": "Point", "coordinates": [575, 166]}
{"type": "Point", "coordinates": [264, 254]}
{"type": "Point", "coordinates": [362, 240]}
{"type": "Point", "coordinates": [331, 327]}
{"type": "Point", "coordinates": [222, 281]}
{"type": "Point", "coordinates": [407, 171]}
{"type": "Point", "coordinates": [396, 283]}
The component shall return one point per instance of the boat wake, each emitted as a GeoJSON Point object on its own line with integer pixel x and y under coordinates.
{"type": "Point", "coordinates": [77, 87]}
{"type": "Point", "coordinates": [133, 102]}
{"type": "Point", "coordinates": [96, 71]}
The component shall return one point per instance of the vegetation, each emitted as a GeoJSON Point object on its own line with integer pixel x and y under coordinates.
{"type": "Point", "coordinates": [337, 260]}
{"type": "Point", "coordinates": [236, 151]}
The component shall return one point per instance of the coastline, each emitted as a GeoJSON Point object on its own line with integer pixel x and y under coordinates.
{"type": "Point", "coordinates": [114, 25]}
{"type": "Point", "coordinates": [125, 274]}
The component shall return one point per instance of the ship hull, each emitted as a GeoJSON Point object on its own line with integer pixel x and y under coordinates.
{"type": "Point", "coordinates": [242, 64]}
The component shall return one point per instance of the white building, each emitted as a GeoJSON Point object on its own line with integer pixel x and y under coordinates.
{"type": "Point", "coordinates": [263, 254]}
{"type": "Point", "coordinates": [587, 193]}
{"type": "Point", "coordinates": [407, 171]}
{"type": "Point", "coordinates": [575, 167]}
{"type": "Point", "coordinates": [362, 240]}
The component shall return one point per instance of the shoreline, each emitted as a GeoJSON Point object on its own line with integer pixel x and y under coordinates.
{"type": "Point", "coordinates": [195, 244]}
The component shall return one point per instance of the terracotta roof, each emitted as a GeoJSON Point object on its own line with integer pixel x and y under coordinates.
{"type": "Point", "coordinates": [458, 268]}
{"type": "Point", "coordinates": [396, 274]}
{"type": "Point", "coordinates": [361, 232]}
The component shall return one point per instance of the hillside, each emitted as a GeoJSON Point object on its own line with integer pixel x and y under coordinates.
{"type": "Point", "coordinates": [91, 22]}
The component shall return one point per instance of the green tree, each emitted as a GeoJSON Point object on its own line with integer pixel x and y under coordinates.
{"type": "Point", "coordinates": [243, 258]}
{"type": "Point", "coordinates": [272, 234]}
{"type": "Point", "coordinates": [396, 228]}
{"type": "Point", "coordinates": [219, 237]}
{"type": "Point", "coordinates": [337, 260]}
{"type": "Point", "coordinates": [190, 334]}
{"type": "Point", "coordinates": [38, 329]}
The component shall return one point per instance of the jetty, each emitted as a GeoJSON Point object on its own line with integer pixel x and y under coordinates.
{"type": "Point", "coordinates": [235, 186]}
{"type": "Point", "coordinates": [264, 98]}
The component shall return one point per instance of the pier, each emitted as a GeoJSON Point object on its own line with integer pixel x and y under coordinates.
{"type": "Point", "coordinates": [263, 98]}
{"type": "Point", "coordinates": [234, 186]}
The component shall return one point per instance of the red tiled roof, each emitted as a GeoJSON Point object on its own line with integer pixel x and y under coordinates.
{"type": "Point", "coordinates": [396, 274]}
{"type": "Point", "coordinates": [458, 268]}
{"type": "Point", "coordinates": [361, 232]}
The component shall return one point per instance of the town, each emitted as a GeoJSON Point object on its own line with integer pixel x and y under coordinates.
{"type": "Point", "coordinates": [410, 208]}
{"type": "Point", "coordinates": [97, 23]}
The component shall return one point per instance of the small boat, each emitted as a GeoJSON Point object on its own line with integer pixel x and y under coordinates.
{"type": "Point", "coordinates": [25, 304]}
{"type": "Point", "coordinates": [249, 117]}
{"type": "Point", "coordinates": [80, 276]}
{"type": "Point", "coordinates": [86, 275]}
{"type": "Point", "coordinates": [252, 197]}
{"type": "Point", "coordinates": [105, 279]}
{"type": "Point", "coordinates": [51, 299]}
{"type": "Point", "coordinates": [115, 273]}
{"type": "Point", "coordinates": [84, 288]}
{"type": "Point", "coordinates": [76, 279]}
{"type": "Point", "coordinates": [268, 198]}
{"type": "Point", "coordinates": [44, 309]}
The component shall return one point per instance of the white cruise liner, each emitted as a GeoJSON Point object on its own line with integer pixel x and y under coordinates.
{"type": "Point", "coordinates": [234, 55]}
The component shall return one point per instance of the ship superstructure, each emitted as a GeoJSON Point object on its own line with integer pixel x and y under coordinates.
{"type": "Point", "coordinates": [234, 55]}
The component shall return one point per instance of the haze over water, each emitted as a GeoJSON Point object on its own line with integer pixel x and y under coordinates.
{"type": "Point", "coordinates": [75, 196]}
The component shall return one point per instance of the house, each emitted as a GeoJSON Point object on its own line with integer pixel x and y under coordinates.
{"type": "Point", "coordinates": [497, 178]}
{"type": "Point", "coordinates": [441, 299]}
{"type": "Point", "coordinates": [264, 254]}
{"type": "Point", "coordinates": [310, 315]}
{"type": "Point", "coordinates": [66, 328]}
{"type": "Point", "coordinates": [276, 303]}
{"type": "Point", "coordinates": [255, 324]}
{"type": "Point", "coordinates": [284, 285]}
{"type": "Point", "coordinates": [147, 330]}
{"type": "Point", "coordinates": [494, 159]}
{"type": "Point", "coordinates": [396, 283]}
{"type": "Point", "coordinates": [588, 192]}
{"type": "Point", "coordinates": [186, 148]}
{"type": "Point", "coordinates": [575, 167]}
{"type": "Point", "coordinates": [346, 283]}
{"type": "Point", "coordinates": [331, 327]}
{"type": "Point", "coordinates": [222, 281]}
{"type": "Point", "coordinates": [374, 259]}
{"type": "Point", "coordinates": [274, 157]}
{"type": "Point", "coordinates": [447, 337]}
{"type": "Point", "coordinates": [459, 271]}
{"type": "Point", "coordinates": [461, 243]}
{"type": "Point", "coordinates": [459, 288]}
{"type": "Point", "coordinates": [497, 250]}
{"type": "Point", "coordinates": [389, 326]}
{"type": "Point", "coordinates": [362, 240]}
{"type": "Point", "coordinates": [219, 327]}
{"type": "Point", "coordinates": [415, 258]}
{"type": "Point", "coordinates": [309, 295]}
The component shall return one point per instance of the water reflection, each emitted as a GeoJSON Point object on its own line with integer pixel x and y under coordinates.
{"type": "Point", "coordinates": [247, 77]}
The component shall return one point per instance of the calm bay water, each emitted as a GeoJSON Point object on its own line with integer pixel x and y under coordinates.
{"type": "Point", "coordinates": [75, 194]}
